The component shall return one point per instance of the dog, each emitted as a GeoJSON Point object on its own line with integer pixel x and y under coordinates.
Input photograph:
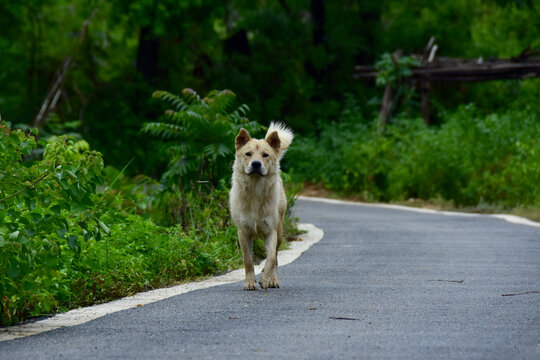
{"type": "Point", "coordinates": [257, 198]}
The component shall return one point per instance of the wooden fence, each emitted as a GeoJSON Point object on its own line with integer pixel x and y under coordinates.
{"type": "Point", "coordinates": [445, 69]}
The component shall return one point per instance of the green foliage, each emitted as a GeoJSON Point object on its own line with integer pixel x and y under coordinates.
{"type": "Point", "coordinates": [198, 135]}
{"type": "Point", "coordinates": [472, 159]}
{"type": "Point", "coordinates": [280, 57]}
{"type": "Point", "coordinates": [45, 206]}
{"type": "Point", "coordinates": [392, 71]}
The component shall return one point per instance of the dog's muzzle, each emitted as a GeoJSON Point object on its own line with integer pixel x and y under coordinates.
{"type": "Point", "coordinates": [256, 168]}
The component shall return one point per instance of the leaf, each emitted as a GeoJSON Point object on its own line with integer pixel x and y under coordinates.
{"type": "Point", "coordinates": [56, 209]}
{"type": "Point", "coordinates": [36, 217]}
{"type": "Point", "coordinates": [25, 221]}
{"type": "Point", "coordinates": [23, 240]}
{"type": "Point", "coordinates": [97, 233]}
{"type": "Point", "coordinates": [77, 191]}
{"type": "Point", "coordinates": [13, 270]}
{"type": "Point", "coordinates": [71, 174]}
{"type": "Point", "coordinates": [172, 99]}
{"type": "Point", "coordinates": [61, 232]}
{"type": "Point", "coordinates": [164, 130]}
{"type": "Point", "coordinates": [72, 241]}
{"type": "Point", "coordinates": [103, 226]}
{"type": "Point", "coordinates": [29, 285]}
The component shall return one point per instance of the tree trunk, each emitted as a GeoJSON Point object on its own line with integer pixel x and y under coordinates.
{"type": "Point", "coordinates": [424, 96]}
{"type": "Point", "coordinates": [386, 107]}
{"type": "Point", "coordinates": [318, 14]}
{"type": "Point", "coordinates": [318, 18]}
{"type": "Point", "coordinates": [147, 55]}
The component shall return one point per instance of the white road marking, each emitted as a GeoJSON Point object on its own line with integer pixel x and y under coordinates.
{"type": "Point", "coordinates": [510, 218]}
{"type": "Point", "coordinates": [82, 315]}
{"type": "Point", "coordinates": [516, 219]}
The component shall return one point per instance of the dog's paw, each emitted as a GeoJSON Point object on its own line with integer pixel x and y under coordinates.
{"type": "Point", "coordinates": [250, 285]}
{"type": "Point", "coordinates": [269, 282]}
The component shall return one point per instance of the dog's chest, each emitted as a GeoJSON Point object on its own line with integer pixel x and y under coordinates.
{"type": "Point", "coordinates": [257, 208]}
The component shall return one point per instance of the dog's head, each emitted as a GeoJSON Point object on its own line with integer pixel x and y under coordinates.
{"type": "Point", "coordinates": [257, 157]}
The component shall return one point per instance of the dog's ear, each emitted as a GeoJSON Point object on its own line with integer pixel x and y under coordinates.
{"type": "Point", "coordinates": [242, 138]}
{"type": "Point", "coordinates": [273, 140]}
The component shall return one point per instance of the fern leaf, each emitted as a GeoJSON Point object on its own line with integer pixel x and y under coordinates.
{"type": "Point", "coordinates": [142, 179]}
{"type": "Point", "coordinates": [215, 150]}
{"type": "Point", "coordinates": [221, 101]}
{"type": "Point", "coordinates": [192, 97]}
{"type": "Point", "coordinates": [224, 150]}
{"type": "Point", "coordinates": [182, 148]}
{"type": "Point", "coordinates": [164, 130]}
{"type": "Point", "coordinates": [176, 101]}
{"type": "Point", "coordinates": [191, 117]}
{"type": "Point", "coordinates": [242, 110]}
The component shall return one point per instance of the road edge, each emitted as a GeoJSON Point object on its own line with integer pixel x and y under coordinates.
{"type": "Point", "coordinates": [514, 219]}
{"type": "Point", "coordinates": [82, 315]}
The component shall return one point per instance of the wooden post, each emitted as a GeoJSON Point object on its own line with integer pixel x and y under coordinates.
{"type": "Point", "coordinates": [388, 96]}
{"type": "Point", "coordinates": [427, 57]}
{"type": "Point", "coordinates": [424, 96]}
{"type": "Point", "coordinates": [386, 106]}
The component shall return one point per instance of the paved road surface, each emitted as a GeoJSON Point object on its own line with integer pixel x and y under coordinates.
{"type": "Point", "coordinates": [381, 284]}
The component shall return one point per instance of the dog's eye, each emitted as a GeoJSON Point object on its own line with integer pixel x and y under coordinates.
{"type": "Point", "coordinates": [265, 155]}
{"type": "Point", "coordinates": [248, 154]}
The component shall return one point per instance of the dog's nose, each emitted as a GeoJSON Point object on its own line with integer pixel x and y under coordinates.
{"type": "Point", "coordinates": [256, 164]}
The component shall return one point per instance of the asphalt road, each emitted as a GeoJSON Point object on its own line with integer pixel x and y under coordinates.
{"type": "Point", "coordinates": [381, 284]}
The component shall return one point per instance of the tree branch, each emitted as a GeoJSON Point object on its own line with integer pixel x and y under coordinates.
{"type": "Point", "coordinates": [32, 185]}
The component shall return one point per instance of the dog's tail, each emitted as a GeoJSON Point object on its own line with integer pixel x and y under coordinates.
{"type": "Point", "coordinates": [285, 135]}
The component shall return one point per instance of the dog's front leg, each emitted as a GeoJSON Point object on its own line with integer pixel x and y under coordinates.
{"type": "Point", "coordinates": [269, 276]}
{"type": "Point", "coordinates": [246, 243]}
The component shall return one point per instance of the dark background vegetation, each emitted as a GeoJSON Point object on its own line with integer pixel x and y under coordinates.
{"type": "Point", "coordinates": [288, 60]}
{"type": "Point", "coordinates": [134, 199]}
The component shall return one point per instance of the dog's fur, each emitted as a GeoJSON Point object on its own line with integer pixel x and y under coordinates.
{"type": "Point", "coordinates": [257, 198]}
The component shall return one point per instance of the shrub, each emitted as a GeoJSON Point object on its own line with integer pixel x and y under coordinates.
{"type": "Point", "coordinates": [46, 208]}
{"type": "Point", "coordinates": [471, 159]}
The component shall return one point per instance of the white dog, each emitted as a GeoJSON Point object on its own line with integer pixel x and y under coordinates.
{"type": "Point", "coordinates": [257, 198]}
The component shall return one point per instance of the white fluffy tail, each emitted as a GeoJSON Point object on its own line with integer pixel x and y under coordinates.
{"type": "Point", "coordinates": [285, 135]}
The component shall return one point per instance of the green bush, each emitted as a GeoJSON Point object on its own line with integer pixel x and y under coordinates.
{"type": "Point", "coordinates": [471, 159]}
{"type": "Point", "coordinates": [56, 251]}
{"type": "Point", "coordinates": [46, 207]}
